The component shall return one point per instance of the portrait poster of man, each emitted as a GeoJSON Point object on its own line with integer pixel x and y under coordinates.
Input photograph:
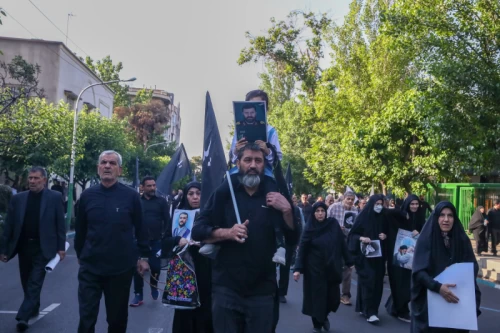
{"type": "Point", "coordinates": [372, 250]}
{"type": "Point", "coordinates": [348, 222]}
{"type": "Point", "coordinates": [250, 121]}
{"type": "Point", "coordinates": [183, 223]}
{"type": "Point", "coordinates": [404, 248]}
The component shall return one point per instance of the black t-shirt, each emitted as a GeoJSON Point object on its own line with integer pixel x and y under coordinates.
{"type": "Point", "coordinates": [494, 219]}
{"type": "Point", "coordinates": [156, 216]}
{"type": "Point", "coordinates": [31, 225]}
{"type": "Point", "coordinates": [245, 268]}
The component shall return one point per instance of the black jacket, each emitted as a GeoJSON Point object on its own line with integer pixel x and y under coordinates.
{"type": "Point", "coordinates": [52, 227]}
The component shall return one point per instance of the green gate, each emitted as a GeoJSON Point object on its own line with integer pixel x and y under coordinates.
{"type": "Point", "coordinates": [466, 205]}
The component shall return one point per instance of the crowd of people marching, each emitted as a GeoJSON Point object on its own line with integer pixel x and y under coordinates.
{"type": "Point", "coordinates": [120, 233]}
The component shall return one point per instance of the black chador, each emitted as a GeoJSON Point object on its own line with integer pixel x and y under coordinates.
{"type": "Point", "coordinates": [434, 253]}
{"type": "Point", "coordinates": [370, 271]}
{"type": "Point", "coordinates": [322, 251]}
{"type": "Point", "coordinates": [399, 278]}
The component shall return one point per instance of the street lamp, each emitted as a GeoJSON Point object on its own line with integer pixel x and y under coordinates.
{"type": "Point", "coordinates": [73, 147]}
{"type": "Point", "coordinates": [155, 144]}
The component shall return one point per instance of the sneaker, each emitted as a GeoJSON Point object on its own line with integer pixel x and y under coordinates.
{"type": "Point", "coordinates": [282, 299]}
{"type": "Point", "coordinates": [373, 319]}
{"type": "Point", "coordinates": [22, 325]}
{"type": "Point", "coordinates": [137, 301]}
{"type": "Point", "coordinates": [279, 256]}
{"type": "Point", "coordinates": [155, 293]}
{"type": "Point", "coordinates": [406, 318]}
{"type": "Point", "coordinates": [326, 325]}
{"type": "Point", "coordinates": [345, 300]}
{"type": "Point", "coordinates": [316, 330]}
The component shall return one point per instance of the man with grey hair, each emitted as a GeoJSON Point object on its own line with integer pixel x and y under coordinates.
{"type": "Point", "coordinates": [35, 231]}
{"type": "Point", "coordinates": [345, 212]}
{"type": "Point", "coordinates": [329, 200]}
{"type": "Point", "coordinates": [108, 240]}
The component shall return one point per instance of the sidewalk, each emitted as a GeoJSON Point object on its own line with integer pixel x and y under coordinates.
{"type": "Point", "coordinates": [489, 268]}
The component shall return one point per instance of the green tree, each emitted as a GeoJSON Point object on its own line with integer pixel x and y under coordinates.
{"type": "Point", "coordinates": [33, 133]}
{"type": "Point", "coordinates": [196, 166]}
{"type": "Point", "coordinates": [18, 82]}
{"type": "Point", "coordinates": [144, 96]}
{"type": "Point", "coordinates": [107, 71]}
{"type": "Point", "coordinates": [95, 134]}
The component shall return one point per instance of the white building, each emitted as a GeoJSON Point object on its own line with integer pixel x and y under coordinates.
{"type": "Point", "coordinates": [63, 75]}
{"type": "Point", "coordinates": [173, 133]}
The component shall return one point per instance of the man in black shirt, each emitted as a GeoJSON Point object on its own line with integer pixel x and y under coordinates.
{"type": "Point", "coordinates": [305, 206]}
{"type": "Point", "coordinates": [494, 225]}
{"type": "Point", "coordinates": [156, 218]}
{"type": "Point", "coordinates": [34, 230]}
{"type": "Point", "coordinates": [108, 223]}
{"type": "Point", "coordinates": [243, 273]}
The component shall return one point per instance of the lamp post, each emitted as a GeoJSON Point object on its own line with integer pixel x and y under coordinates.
{"type": "Point", "coordinates": [73, 147]}
{"type": "Point", "coordinates": [155, 144]}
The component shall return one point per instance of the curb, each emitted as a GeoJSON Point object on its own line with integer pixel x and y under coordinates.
{"type": "Point", "coordinates": [487, 283]}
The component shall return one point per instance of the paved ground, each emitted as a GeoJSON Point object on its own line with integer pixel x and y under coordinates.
{"type": "Point", "coordinates": [59, 300]}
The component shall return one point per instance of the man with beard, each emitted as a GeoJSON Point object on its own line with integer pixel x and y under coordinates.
{"type": "Point", "coordinates": [182, 230]}
{"type": "Point", "coordinates": [243, 273]}
{"type": "Point", "coordinates": [345, 212]}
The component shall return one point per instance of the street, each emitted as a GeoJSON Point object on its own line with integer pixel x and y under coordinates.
{"type": "Point", "coordinates": [60, 307]}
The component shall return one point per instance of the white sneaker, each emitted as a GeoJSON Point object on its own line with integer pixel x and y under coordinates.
{"type": "Point", "coordinates": [373, 319]}
{"type": "Point", "coordinates": [279, 256]}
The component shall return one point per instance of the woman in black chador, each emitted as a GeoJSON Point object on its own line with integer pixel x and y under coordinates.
{"type": "Point", "coordinates": [322, 251]}
{"type": "Point", "coordinates": [198, 320]}
{"type": "Point", "coordinates": [442, 243]}
{"type": "Point", "coordinates": [477, 227]}
{"type": "Point", "coordinates": [370, 225]}
{"type": "Point", "coordinates": [412, 219]}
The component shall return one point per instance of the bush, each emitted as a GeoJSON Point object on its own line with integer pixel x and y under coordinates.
{"type": "Point", "coordinates": [5, 196]}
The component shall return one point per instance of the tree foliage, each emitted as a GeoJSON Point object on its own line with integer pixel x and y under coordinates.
{"type": "Point", "coordinates": [18, 82]}
{"type": "Point", "coordinates": [405, 77]}
{"type": "Point", "coordinates": [107, 71]}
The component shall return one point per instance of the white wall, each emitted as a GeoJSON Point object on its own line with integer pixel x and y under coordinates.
{"type": "Point", "coordinates": [74, 76]}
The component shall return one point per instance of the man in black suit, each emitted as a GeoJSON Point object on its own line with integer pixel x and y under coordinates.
{"type": "Point", "coordinates": [34, 230]}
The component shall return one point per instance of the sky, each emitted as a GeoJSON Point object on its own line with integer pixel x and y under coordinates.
{"type": "Point", "coordinates": [185, 47]}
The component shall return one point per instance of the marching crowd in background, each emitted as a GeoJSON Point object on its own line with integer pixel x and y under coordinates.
{"type": "Point", "coordinates": [119, 232]}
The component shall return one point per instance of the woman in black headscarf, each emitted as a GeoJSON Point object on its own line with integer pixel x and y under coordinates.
{"type": "Point", "coordinates": [370, 225]}
{"type": "Point", "coordinates": [477, 227]}
{"type": "Point", "coordinates": [198, 320]}
{"type": "Point", "coordinates": [441, 243]}
{"type": "Point", "coordinates": [411, 219]}
{"type": "Point", "coordinates": [322, 251]}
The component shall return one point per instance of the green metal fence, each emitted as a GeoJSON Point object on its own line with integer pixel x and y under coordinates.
{"type": "Point", "coordinates": [466, 197]}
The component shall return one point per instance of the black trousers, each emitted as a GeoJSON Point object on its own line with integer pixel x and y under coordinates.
{"type": "Point", "coordinates": [233, 313]}
{"type": "Point", "coordinates": [116, 290]}
{"type": "Point", "coordinates": [285, 271]}
{"type": "Point", "coordinates": [32, 270]}
{"type": "Point", "coordinates": [480, 238]}
{"type": "Point", "coordinates": [495, 239]}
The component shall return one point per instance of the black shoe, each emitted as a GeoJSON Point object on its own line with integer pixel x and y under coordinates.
{"type": "Point", "coordinates": [282, 299]}
{"type": "Point", "coordinates": [326, 325]}
{"type": "Point", "coordinates": [22, 325]}
{"type": "Point", "coordinates": [406, 318]}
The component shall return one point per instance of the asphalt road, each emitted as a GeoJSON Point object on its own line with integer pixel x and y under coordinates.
{"type": "Point", "coordinates": [60, 302]}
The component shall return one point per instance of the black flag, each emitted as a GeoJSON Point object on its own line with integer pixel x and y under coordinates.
{"type": "Point", "coordinates": [288, 179]}
{"type": "Point", "coordinates": [214, 160]}
{"type": "Point", "coordinates": [178, 168]}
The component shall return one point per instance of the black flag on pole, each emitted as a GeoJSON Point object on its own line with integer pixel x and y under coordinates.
{"type": "Point", "coordinates": [288, 179]}
{"type": "Point", "coordinates": [214, 159]}
{"type": "Point", "coordinates": [178, 168]}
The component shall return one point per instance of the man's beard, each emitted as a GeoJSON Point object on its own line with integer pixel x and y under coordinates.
{"type": "Point", "coordinates": [250, 120]}
{"type": "Point", "coordinates": [250, 180]}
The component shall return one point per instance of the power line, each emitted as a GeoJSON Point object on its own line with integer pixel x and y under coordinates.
{"type": "Point", "coordinates": [48, 48]}
{"type": "Point", "coordinates": [58, 28]}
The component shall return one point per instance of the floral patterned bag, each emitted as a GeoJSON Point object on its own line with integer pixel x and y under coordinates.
{"type": "Point", "coordinates": [181, 289]}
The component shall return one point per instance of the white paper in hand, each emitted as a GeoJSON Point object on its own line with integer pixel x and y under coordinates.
{"type": "Point", "coordinates": [53, 263]}
{"type": "Point", "coordinates": [461, 315]}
